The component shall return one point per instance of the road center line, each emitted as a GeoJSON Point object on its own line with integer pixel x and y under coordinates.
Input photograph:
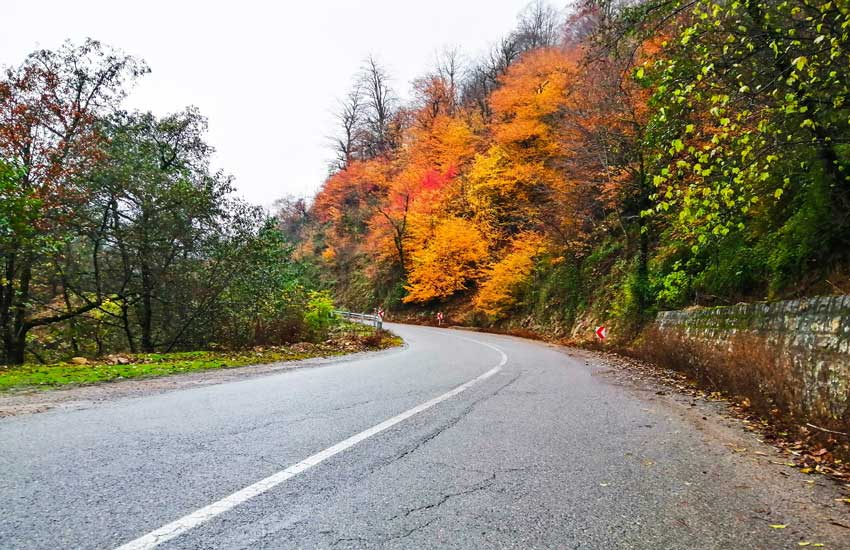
{"type": "Point", "coordinates": [184, 524]}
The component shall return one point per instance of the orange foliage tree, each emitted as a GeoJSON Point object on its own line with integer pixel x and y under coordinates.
{"type": "Point", "coordinates": [515, 179]}
{"type": "Point", "coordinates": [454, 256]}
{"type": "Point", "coordinates": [503, 280]}
{"type": "Point", "coordinates": [466, 200]}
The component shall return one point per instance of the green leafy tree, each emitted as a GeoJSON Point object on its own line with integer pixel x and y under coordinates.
{"type": "Point", "coordinates": [265, 301]}
{"type": "Point", "coordinates": [751, 124]}
{"type": "Point", "coordinates": [170, 220]}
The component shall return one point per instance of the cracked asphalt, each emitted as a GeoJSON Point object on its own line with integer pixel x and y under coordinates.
{"type": "Point", "coordinates": [549, 452]}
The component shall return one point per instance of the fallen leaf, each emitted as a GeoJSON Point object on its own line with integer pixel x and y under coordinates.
{"type": "Point", "coordinates": [778, 526]}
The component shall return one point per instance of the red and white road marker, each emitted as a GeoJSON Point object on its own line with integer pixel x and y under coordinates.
{"type": "Point", "coordinates": [601, 332]}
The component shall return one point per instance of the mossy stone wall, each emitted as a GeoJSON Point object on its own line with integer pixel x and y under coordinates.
{"type": "Point", "coordinates": [810, 338]}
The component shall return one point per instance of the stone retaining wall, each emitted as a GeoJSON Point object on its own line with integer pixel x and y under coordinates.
{"type": "Point", "coordinates": [810, 339]}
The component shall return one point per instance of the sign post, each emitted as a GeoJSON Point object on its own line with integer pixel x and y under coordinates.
{"type": "Point", "coordinates": [439, 318]}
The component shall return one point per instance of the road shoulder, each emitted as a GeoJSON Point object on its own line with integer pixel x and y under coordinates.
{"type": "Point", "coordinates": [818, 506]}
{"type": "Point", "coordinates": [83, 397]}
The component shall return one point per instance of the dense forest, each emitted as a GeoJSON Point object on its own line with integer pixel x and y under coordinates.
{"type": "Point", "coordinates": [601, 162]}
{"type": "Point", "coordinates": [115, 235]}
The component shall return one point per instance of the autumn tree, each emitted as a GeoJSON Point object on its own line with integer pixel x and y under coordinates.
{"type": "Point", "coordinates": [504, 280]}
{"type": "Point", "coordinates": [438, 92]}
{"type": "Point", "coordinates": [539, 25]}
{"type": "Point", "coordinates": [49, 108]}
{"type": "Point", "coordinates": [513, 184]}
{"type": "Point", "coordinates": [424, 180]}
{"type": "Point", "coordinates": [453, 257]}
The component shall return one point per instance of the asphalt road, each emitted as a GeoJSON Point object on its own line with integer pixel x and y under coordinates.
{"type": "Point", "coordinates": [543, 451]}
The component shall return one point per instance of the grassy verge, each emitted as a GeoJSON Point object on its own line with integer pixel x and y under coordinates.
{"type": "Point", "coordinates": [348, 338]}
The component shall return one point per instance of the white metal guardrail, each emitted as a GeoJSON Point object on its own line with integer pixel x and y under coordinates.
{"type": "Point", "coordinates": [365, 318]}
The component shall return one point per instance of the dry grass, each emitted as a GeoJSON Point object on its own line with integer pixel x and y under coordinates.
{"type": "Point", "coordinates": [763, 377]}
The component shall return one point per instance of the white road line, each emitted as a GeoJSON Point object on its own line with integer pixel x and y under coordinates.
{"type": "Point", "coordinates": [180, 526]}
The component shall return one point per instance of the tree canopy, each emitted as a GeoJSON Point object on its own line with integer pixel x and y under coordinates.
{"type": "Point", "coordinates": [609, 159]}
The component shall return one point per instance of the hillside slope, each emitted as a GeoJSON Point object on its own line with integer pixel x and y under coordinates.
{"type": "Point", "coordinates": [601, 163]}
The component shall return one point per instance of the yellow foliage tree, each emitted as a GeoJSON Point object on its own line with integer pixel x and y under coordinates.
{"type": "Point", "coordinates": [451, 258]}
{"type": "Point", "coordinates": [418, 183]}
{"type": "Point", "coordinates": [498, 292]}
{"type": "Point", "coordinates": [512, 184]}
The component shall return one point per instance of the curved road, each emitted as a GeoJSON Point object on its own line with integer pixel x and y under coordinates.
{"type": "Point", "coordinates": [461, 440]}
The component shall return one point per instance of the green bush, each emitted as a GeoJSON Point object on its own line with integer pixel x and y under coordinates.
{"type": "Point", "coordinates": [319, 317]}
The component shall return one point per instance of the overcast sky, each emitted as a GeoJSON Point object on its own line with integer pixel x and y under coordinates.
{"type": "Point", "coordinates": [267, 74]}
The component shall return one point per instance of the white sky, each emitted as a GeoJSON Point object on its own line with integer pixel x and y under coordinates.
{"type": "Point", "coordinates": [267, 74]}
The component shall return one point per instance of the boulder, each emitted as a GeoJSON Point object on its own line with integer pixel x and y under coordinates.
{"type": "Point", "coordinates": [115, 359]}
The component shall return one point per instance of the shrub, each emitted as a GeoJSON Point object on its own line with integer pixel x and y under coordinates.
{"type": "Point", "coordinates": [319, 316]}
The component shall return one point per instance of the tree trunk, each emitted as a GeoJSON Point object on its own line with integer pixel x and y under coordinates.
{"type": "Point", "coordinates": [128, 331]}
{"type": "Point", "coordinates": [16, 348]}
{"type": "Point", "coordinates": [6, 293]}
{"type": "Point", "coordinates": [147, 311]}
{"type": "Point", "coordinates": [72, 324]}
{"type": "Point", "coordinates": [643, 244]}
{"type": "Point", "coordinates": [17, 342]}
{"type": "Point", "coordinates": [146, 317]}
